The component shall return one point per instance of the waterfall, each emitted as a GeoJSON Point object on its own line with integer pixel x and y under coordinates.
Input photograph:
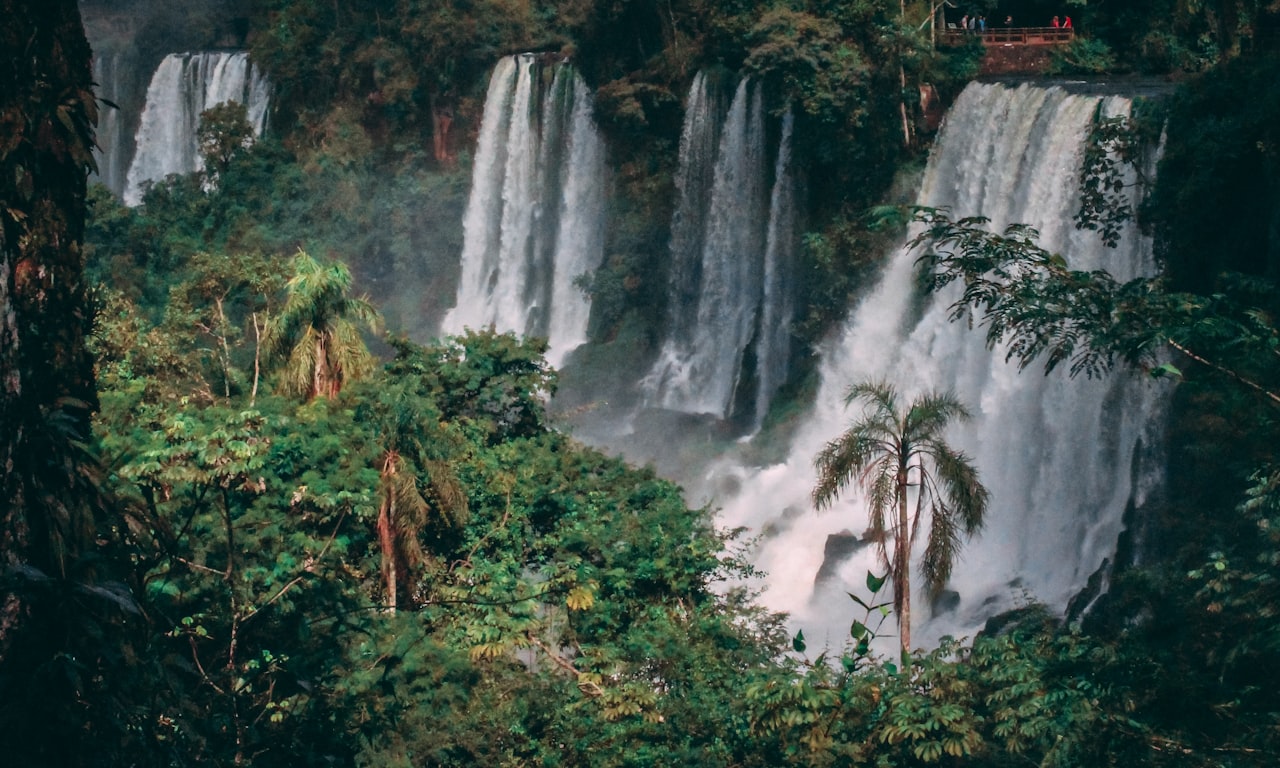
{"type": "Point", "coordinates": [112, 151]}
{"type": "Point", "coordinates": [773, 348]}
{"type": "Point", "coordinates": [1061, 457]}
{"type": "Point", "coordinates": [580, 239]}
{"type": "Point", "coordinates": [183, 86]}
{"type": "Point", "coordinates": [728, 236]}
{"type": "Point", "coordinates": [534, 222]}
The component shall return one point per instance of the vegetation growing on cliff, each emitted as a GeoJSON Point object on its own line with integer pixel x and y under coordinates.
{"type": "Point", "coordinates": [421, 570]}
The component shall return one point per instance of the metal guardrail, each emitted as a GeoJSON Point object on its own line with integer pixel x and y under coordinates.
{"type": "Point", "coordinates": [1013, 36]}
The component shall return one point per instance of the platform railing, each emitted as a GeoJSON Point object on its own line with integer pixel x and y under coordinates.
{"type": "Point", "coordinates": [1013, 36]}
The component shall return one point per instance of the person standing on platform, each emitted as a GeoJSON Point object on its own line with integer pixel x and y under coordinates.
{"type": "Point", "coordinates": [1055, 23]}
{"type": "Point", "coordinates": [1066, 24]}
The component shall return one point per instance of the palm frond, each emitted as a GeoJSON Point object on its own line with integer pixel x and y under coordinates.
{"type": "Point", "coordinates": [960, 485]}
{"type": "Point", "coordinates": [447, 489]}
{"type": "Point", "coordinates": [299, 368]}
{"type": "Point", "coordinates": [840, 462]}
{"type": "Point", "coordinates": [317, 307]}
{"type": "Point", "coordinates": [942, 548]}
{"type": "Point", "coordinates": [930, 414]}
{"type": "Point", "coordinates": [880, 397]}
{"type": "Point", "coordinates": [882, 493]}
{"type": "Point", "coordinates": [349, 358]}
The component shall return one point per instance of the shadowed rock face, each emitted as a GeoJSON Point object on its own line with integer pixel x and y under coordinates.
{"type": "Point", "coordinates": [839, 548]}
{"type": "Point", "coordinates": [1016, 60]}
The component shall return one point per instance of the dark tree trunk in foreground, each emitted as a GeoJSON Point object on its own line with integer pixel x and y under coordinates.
{"type": "Point", "coordinates": [47, 114]}
{"type": "Point", "coordinates": [59, 700]}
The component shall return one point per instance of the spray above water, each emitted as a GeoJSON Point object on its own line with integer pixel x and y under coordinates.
{"type": "Point", "coordinates": [1062, 458]}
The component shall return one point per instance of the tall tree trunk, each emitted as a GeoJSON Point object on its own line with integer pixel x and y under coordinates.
{"type": "Point", "coordinates": [319, 374]}
{"type": "Point", "coordinates": [902, 566]}
{"type": "Point", "coordinates": [387, 532]}
{"type": "Point", "coordinates": [47, 114]}
{"type": "Point", "coordinates": [902, 107]}
{"type": "Point", "coordinates": [60, 662]}
{"type": "Point", "coordinates": [902, 81]}
{"type": "Point", "coordinates": [441, 121]}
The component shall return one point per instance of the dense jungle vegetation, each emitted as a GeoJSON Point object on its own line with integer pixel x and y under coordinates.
{"type": "Point", "coordinates": [241, 537]}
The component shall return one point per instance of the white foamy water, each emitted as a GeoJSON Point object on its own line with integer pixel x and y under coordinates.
{"type": "Point", "coordinates": [1061, 457]}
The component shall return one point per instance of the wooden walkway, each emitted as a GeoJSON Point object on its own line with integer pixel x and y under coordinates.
{"type": "Point", "coordinates": [1013, 36]}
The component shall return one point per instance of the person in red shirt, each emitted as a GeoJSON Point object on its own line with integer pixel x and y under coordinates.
{"type": "Point", "coordinates": [1067, 24]}
{"type": "Point", "coordinates": [1056, 23]}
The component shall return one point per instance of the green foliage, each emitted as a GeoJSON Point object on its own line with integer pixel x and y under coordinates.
{"type": "Point", "coordinates": [1221, 159]}
{"type": "Point", "coordinates": [550, 603]}
{"type": "Point", "coordinates": [493, 385]}
{"type": "Point", "coordinates": [1118, 147]}
{"type": "Point", "coordinates": [1083, 56]}
{"type": "Point", "coordinates": [224, 133]}
{"type": "Point", "coordinates": [1030, 300]}
{"type": "Point", "coordinates": [806, 58]}
{"type": "Point", "coordinates": [1159, 35]}
{"type": "Point", "coordinates": [553, 606]}
{"type": "Point", "coordinates": [1189, 627]}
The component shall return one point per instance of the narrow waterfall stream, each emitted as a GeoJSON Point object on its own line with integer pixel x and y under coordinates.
{"type": "Point", "coordinates": [535, 218]}
{"type": "Point", "coordinates": [1062, 457]}
{"type": "Point", "coordinates": [731, 247]}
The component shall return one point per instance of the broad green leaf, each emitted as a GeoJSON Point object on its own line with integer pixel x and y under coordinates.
{"type": "Point", "coordinates": [857, 630]}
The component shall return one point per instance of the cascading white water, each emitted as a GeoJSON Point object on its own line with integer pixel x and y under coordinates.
{"type": "Point", "coordinates": [1061, 457]}
{"type": "Point", "coordinates": [720, 259]}
{"type": "Point", "coordinates": [111, 150]}
{"type": "Point", "coordinates": [535, 217]}
{"type": "Point", "coordinates": [183, 86]}
{"type": "Point", "coordinates": [773, 345]}
{"type": "Point", "coordinates": [580, 237]}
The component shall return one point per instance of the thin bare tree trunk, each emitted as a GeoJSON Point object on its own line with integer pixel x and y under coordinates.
{"type": "Point", "coordinates": [901, 77]}
{"type": "Point", "coordinates": [257, 359]}
{"type": "Point", "coordinates": [902, 569]}
{"type": "Point", "coordinates": [226, 350]}
{"type": "Point", "coordinates": [318, 375]}
{"type": "Point", "coordinates": [386, 532]}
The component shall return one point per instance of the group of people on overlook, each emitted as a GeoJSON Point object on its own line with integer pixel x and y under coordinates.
{"type": "Point", "coordinates": [978, 23]}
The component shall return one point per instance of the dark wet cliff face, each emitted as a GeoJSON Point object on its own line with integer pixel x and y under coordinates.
{"type": "Point", "coordinates": [1016, 60]}
{"type": "Point", "coordinates": [196, 23]}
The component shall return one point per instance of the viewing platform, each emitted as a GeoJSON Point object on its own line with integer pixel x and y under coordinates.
{"type": "Point", "coordinates": [953, 35]}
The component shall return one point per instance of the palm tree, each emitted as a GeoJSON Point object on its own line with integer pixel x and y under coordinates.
{"type": "Point", "coordinates": [889, 452]}
{"type": "Point", "coordinates": [402, 513]}
{"type": "Point", "coordinates": [418, 488]}
{"type": "Point", "coordinates": [316, 330]}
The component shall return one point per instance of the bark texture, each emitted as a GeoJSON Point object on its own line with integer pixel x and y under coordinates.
{"type": "Point", "coordinates": [47, 118]}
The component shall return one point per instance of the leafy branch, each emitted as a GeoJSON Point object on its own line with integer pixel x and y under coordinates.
{"type": "Point", "coordinates": [1033, 303]}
